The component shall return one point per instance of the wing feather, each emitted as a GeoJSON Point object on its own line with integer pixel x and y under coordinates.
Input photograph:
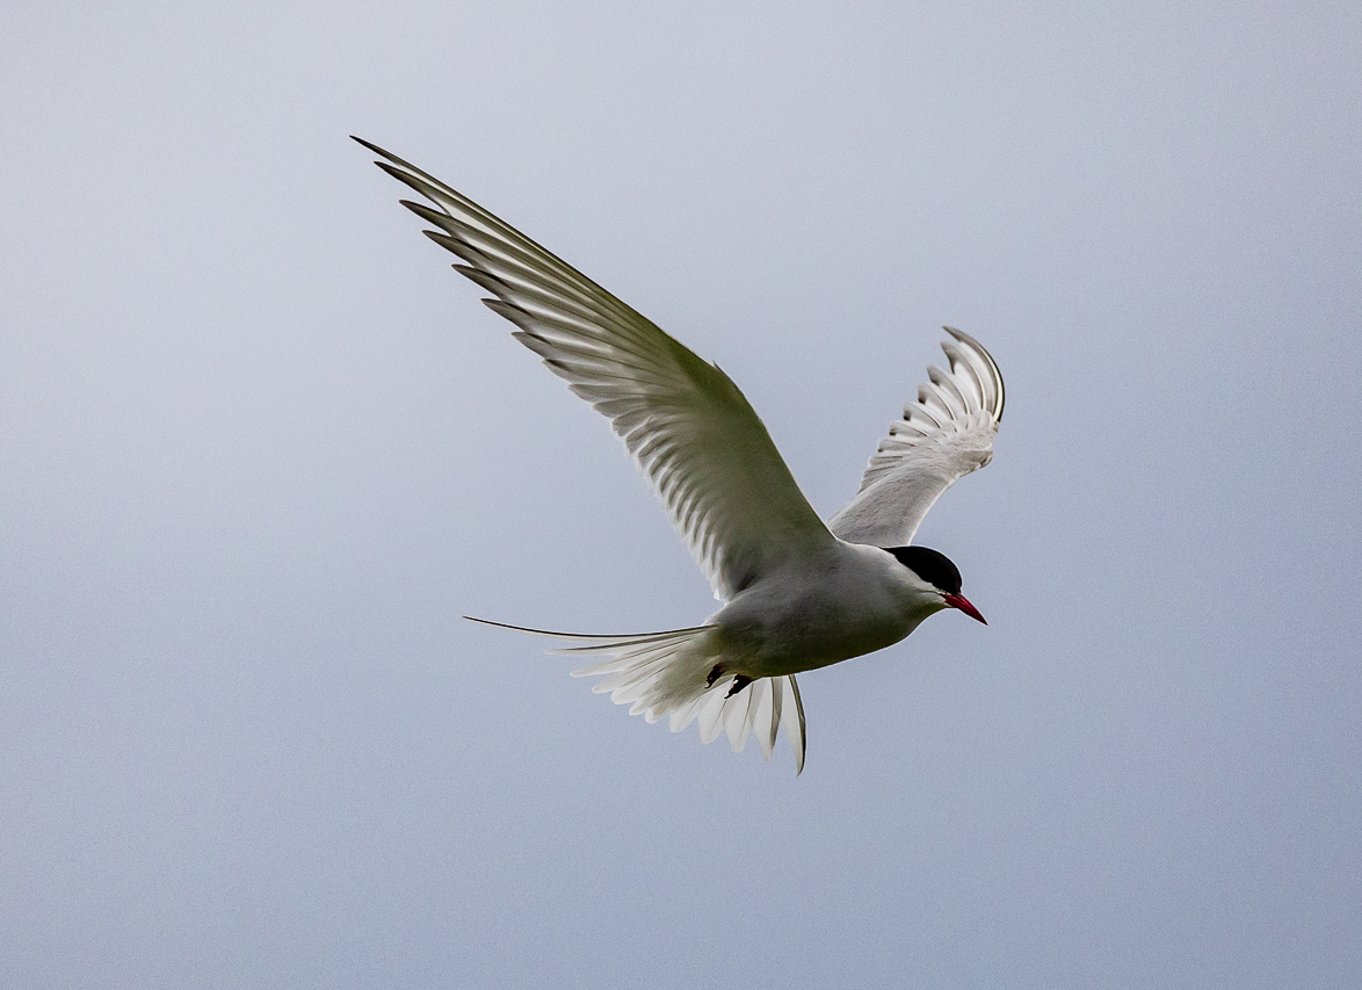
{"type": "Point", "coordinates": [943, 436]}
{"type": "Point", "coordinates": [688, 427]}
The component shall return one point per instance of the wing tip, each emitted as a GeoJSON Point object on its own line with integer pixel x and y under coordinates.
{"type": "Point", "coordinates": [381, 152]}
{"type": "Point", "coordinates": [994, 371]}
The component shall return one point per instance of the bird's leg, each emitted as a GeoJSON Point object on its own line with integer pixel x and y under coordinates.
{"type": "Point", "coordinates": [739, 682]}
{"type": "Point", "coordinates": [714, 675]}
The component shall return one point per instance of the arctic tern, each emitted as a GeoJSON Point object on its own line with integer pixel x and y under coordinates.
{"type": "Point", "coordinates": [797, 593]}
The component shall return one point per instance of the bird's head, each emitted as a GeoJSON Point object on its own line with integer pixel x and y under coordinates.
{"type": "Point", "coordinates": [936, 578]}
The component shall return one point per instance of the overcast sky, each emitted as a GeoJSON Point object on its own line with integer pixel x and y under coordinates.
{"type": "Point", "coordinates": [261, 450]}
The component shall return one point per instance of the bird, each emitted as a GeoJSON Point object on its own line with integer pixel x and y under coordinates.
{"type": "Point", "coordinates": [796, 593]}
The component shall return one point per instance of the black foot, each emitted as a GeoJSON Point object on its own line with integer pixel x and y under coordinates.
{"type": "Point", "coordinates": [714, 675]}
{"type": "Point", "coordinates": [739, 682]}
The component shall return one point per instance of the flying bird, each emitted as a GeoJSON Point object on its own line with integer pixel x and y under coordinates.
{"type": "Point", "coordinates": [797, 593]}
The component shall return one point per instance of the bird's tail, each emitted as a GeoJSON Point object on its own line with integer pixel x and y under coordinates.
{"type": "Point", "coordinates": [671, 673]}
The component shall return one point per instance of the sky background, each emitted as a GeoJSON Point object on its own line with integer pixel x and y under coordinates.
{"type": "Point", "coordinates": [261, 449]}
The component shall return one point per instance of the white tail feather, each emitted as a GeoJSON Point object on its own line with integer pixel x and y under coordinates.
{"type": "Point", "coordinates": [665, 673]}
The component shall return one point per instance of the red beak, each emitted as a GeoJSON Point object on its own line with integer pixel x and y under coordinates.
{"type": "Point", "coordinates": [962, 603]}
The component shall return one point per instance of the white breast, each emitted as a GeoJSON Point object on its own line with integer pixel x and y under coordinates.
{"type": "Point", "coordinates": [852, 601]}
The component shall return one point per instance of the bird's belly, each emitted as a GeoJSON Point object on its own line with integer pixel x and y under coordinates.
{"type": "Point", "coordinates": [771, 638]}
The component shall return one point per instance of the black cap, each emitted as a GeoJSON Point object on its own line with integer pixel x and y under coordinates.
{"type": "Point", "coordinates": [932, 566]}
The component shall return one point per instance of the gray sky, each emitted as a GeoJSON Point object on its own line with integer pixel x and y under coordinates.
{"type": "Point", "coordinates": [262, 448]}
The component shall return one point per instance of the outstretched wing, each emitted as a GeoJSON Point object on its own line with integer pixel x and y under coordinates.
{"type": "Point", "coordinates": [947, 433]}
{"type": "Point", "coordinates": [689, 428]}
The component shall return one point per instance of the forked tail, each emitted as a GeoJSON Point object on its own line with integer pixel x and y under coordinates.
{"type": "Point", "coordinates": [671, 673]}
